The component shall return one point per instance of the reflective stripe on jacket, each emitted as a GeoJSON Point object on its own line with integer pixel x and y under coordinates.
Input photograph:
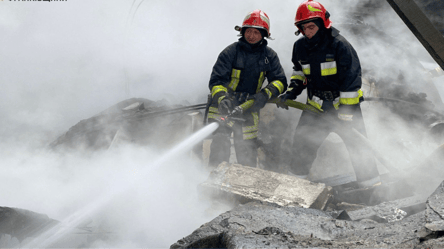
{"type": "Point", "coordinates": [331, 66]}
{"type": "Point", "coordinates": [241, 68]}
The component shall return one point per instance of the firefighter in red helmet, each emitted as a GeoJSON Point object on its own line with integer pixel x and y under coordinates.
{"type": "Point", "coordinates": [238, 75]}
{"type": "Point", "coordinates": [327, 65]}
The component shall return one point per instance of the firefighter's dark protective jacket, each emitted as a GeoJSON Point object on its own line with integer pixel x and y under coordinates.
{"type": "Point", "coordinates": [330, 70]}
{"type": "Point", "coordinates": [240, 70]}
{"type": "Point", "coordinates": [242, 67]}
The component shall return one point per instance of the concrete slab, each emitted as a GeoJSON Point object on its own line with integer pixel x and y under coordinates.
{"type": "Point", "coordinates": [390, 211]}
{"type": "Point", "coordinates": [245, 184]}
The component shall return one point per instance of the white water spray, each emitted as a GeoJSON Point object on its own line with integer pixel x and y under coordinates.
{"type": "Point", "coordinates": [60, 231]}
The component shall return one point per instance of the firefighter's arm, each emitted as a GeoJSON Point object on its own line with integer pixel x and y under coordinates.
{"type": "Point", "coordinates": [220, 76]}
{"type": "Point", "coordinates": [277, 82]}
{"type": "Point", "coordinates": [296, 83]}
{"type": "Point", "coordinates": [349, 71]}
{"type": "Point", "coordinates": [297, 77]}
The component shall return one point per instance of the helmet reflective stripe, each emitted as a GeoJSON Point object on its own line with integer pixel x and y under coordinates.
{"type": "Point", "coordinates": [257, 19]}
{"type": "Point", "coordinates": [265, 18]}
{"type": "Point", "coordinates": [311, 8]}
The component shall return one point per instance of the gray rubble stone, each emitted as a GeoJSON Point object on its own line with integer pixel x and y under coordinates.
{"type": "Point", "coordinates": [262, 225]}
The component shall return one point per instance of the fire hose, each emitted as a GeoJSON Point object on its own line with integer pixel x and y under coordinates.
{"type": "Point", "coordinates": [311, 109]}
{"type": "Point", "coordinates": [298, 105]}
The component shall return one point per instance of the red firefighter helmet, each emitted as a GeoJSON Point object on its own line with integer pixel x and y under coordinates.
{"type": "Point", "coordinates": [257, 19]}
{"type": "Point", "coordinates": [310, 10]}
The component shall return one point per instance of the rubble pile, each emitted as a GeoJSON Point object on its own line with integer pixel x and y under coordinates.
{"type": "Point", "coordinates": [407, 223]}
{"type": "Point", "coordinates": [136, 120]}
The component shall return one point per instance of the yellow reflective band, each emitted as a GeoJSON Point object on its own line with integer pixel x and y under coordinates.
{"type": "Point", "coordinates": [217, 89]}
{"type": "Point", "coordinates": [254, 127]}
{"type": "Point", "coordinates": [268, 92]}
{"type": "Point", "coordinates": [328, 68]}
{"type": "Point", "coordinates": [264, 18]}
{"type": "Point", "coordinates": [220, 99]}
{"type": "Point", "coordinates": [248, 136]}
{"type": "Point", "coordinates": [214, 115]}
{"type": "Point", "coordinates": [336, 103]}
{"type": "Point", "coordinates": [306, 69]}
{"type": "Point", "coordinates": [350, 98]}
{"type": "Point", "coordinates": [316, 102]}
{"type": "Point", "coordinates": [213, 110]}
{"type": "Point", "coordinates": [310, 8]}
{"type": "Point", "coordinates": [235, 76]}
{"type": "Point", "coordinates": [298, 77]}
{"type": "Point", "coordinates": [260, 82]}
{"type": "Point", "coordinates": [278, 85]}
{"type": "Point", "coordinates": [345, 117]}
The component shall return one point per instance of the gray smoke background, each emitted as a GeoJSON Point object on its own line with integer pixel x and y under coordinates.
{"type": "Point", "coordinates": [67, 61]}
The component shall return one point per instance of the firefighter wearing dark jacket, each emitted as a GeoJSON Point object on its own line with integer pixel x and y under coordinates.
{"type": "Point", "coordinates": [238, 75]}
{"type": "Point", "coordinates": [328, 67]}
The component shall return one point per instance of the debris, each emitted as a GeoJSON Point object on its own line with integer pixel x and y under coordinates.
{"type": "Point", "coordinates": [255, 225]}
{"type": "Point", "coordinates": [350, 193]}
{"type": "Point", "coordinates": [247, 183]}
{"type": "Point", "coordinates": [434, 226]}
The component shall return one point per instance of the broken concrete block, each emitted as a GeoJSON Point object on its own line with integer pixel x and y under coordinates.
{"type": "Point", "coordinates": [247, 184]}
{"type": "Point", "coordinates": [389, 211]}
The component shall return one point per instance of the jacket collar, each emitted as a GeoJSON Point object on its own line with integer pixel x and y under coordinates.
{"type": "Point", "coordinates": [252, 48]}
{"type": "Point", "coordinates": [334, 32]}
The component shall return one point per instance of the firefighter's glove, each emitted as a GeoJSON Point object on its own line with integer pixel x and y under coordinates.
{"type": "Point", "coordinates": [225, 106]}
{"type": "Point", "coordinates": [260, 99]}
{"type": "Point", "coordinates": [284, 97]}
{"type": "Point", "coordinates": [345, 113]}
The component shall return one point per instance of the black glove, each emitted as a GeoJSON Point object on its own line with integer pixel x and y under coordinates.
{"type": "Point", "coordinates": [284, 97]}
{"type": "Point", "coordinates": [260, 99]}
{"type": "Point", "coordinates": [225, 106]}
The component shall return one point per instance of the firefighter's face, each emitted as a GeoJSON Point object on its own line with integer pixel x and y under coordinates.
{"type": "Point", "coordinates": [253, 35]}
{"type": "Point", "coordinates": [310, 29]}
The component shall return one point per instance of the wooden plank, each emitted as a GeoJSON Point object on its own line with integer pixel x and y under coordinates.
{"type": "Point", "coordinates": [421, 27]}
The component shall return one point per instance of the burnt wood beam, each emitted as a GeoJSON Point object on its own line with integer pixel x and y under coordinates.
{"type": "Point", "coordinates": [422, 28]}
